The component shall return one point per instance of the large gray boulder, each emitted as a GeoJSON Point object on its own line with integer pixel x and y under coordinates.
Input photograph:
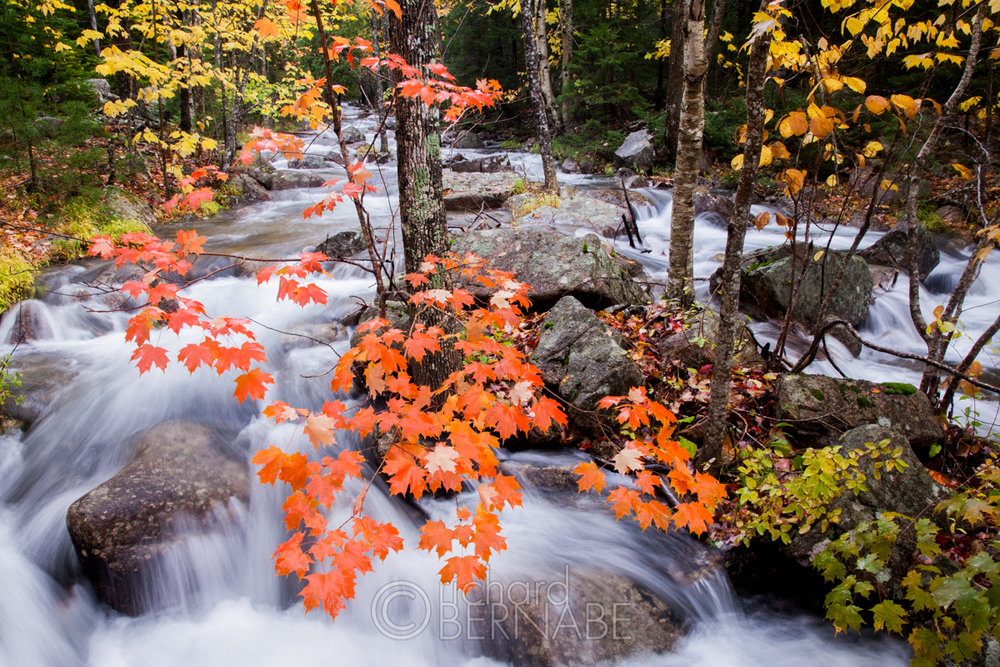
{"type": "Point", "coordinates": [468, 140]}
{"type": "Point", "coordinates": [122, 528]}
{"type": "Point", "coordinates": [242, 189]}
{"type": "Point", "coordinates": [582, 358]}
{"type": "Point", "coordinates": [486, 165]}
{"type": "Point", "coordinates": [890, 250]}
{"type": "Point", "coordinates": [102, 89]}
{"type": "Point", "coordinates": [767, 282]}
{"type": "Point", "coordinates": [342, 244]}
{"type": "Point", "coordinates": [352, 135]}
{"type": "Point", "coordinates": [574, 211]}
{"type": "Point", "coordinates": [636, 152]}
{"type": "Point", "coordinates": [311, 161]}
{"type": "Point", "coordinates": [821, 408]}
{"type": "Point", "coordinates": [289, 180]}
{"type": "Point", "coordinates": [126, 206]}
{"type": "Point", "coordinates": [555, 265]}
{"type": "Point", "coordinates": [475, 191]}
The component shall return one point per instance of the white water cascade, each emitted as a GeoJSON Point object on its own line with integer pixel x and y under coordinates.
{"type": "Point", "coordinates": [220, 602]}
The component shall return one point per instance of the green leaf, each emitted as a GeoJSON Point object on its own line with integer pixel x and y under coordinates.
{"type": "Point", "coordinates": [927, 534]}
{"type": "Point", "coordinates": [844, 617]}
{"type": "Point", "coordinates": [889, 615]}
{"type": "Point", "coordinates": [951, 589]}
{"type": "Point", "coordinates": [926, 649]}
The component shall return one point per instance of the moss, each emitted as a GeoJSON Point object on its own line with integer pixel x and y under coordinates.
{"type": "Point", "coordinates": [17, 277]}
{"type": "Point", "coordinates": [85, 217]}
{"type": "Point", "coordinates": [899, 388]}
{"type": "Point", "coordinates": [818, 395]}
{"type": "Point", "coordinates": [865, 402]}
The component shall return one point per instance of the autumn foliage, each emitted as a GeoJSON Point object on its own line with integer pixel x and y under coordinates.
{"type": "Point", "coordinates": [439, 439]}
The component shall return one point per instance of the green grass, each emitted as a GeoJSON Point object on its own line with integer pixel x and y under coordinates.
{"type": "Point", "coordinates": [17, 277]}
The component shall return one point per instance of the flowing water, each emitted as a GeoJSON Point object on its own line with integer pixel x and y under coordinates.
{"type": "Point", "coordinates": [219, 599]}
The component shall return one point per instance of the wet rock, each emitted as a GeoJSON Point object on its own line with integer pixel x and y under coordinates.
{"type": "Point", "coordinates": [308, 335]}
{"type": "Point", "coordinates": [477, 191]}
{"type": "Point", "coordinates": [288, 180]}
{"type": "Point", "coordinates": [583, 359]}
{"type": "Point", "coordinates": [636, 152]}
{"type": "Point", "coordinates": [568, 213]}
{"type": "Point", "coordinates": [42, 377]}
{"type": "Point", "coordinates": [487, 165]}
{"type": "Point", "coordinates": [718, 203]}
{"type": "Point", "coordinates": [545, 623]}
{"type": "Point", "coordinates": [310, 162]}
{"type": "Point", "coordinates": [467, 140]}
{"type": "Point", "coordinates": [126, 206]}
{"type": "Point", "coordinates": [29, 320]}
{"type": "Point", "coordinates": [352, 135]}
{"type": "Point", "coordinates": [570, 166]}
{"type": "Point", "coordinates": [821, 408]}
{"type": "Point", "coordinates": [890, 251]}
{"type": "Point", "coordinates": [342, 244]}
{"type": "Point", "coordinates": [555, 265]}
{"type": "Point", "coordinates": [242, 189]}
{"type": "Point", "coordinates": [121, 528]}
{"type": "Point", "coordinates": [767, 280]}
{"type": "Point", "coordinates": [555, 478]}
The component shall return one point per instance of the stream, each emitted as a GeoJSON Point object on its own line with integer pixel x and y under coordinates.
{"type": "Point", "coordinates": [220, 601]}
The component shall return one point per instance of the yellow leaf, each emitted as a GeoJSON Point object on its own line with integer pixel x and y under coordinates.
{"type": "Point", "coordinates": [855, 84]}
{"type": "Point", "coordinates": [737, 162]}
{"type": "Point", "coordinates": [831, 180]}
{"type": "Point", "coordinates": [820, 127]}
{"type": "Point", "coordinates": [888, 185]}
{"type": "Point", "coordinates": [938, 311]}
{"type": "Point", "coordinates": [906, 104]}
{"type": "Point", "coordinates": [760, 222]}
{"type": "Point", "coordinates": [831, 84]}
{"type": "Point", "coordinates": [818, 256]}
{"type": "Point", "coordinates": [963, 171]}
{"type": "Point", "coordinates": [975, 369]}
{"type": "Point", "coordinates": [794, 123]}
{"type": "Point", "coordinates": [876, 104]}
{"type": "Point", "coordinates": [779, 152]}
{"type": "Point", "coordinates": [793, 179]}
{"type": "Point", "coordinates": [872, 148]}
{"type": "Point", "coordinates": [765, 156]}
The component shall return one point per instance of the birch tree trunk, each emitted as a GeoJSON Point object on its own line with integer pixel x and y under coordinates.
{"type": "Point", "coordinates": [718, 403]}
{"type": "Point", "coordinates": [675, 81]}
{"type": "Point", "coordinates": [680, 281]}
{"type": "Point", "coordinates": [537, 98]}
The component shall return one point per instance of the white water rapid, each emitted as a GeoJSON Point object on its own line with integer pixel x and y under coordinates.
{"type": "Point", "coordinates": [220, 602]}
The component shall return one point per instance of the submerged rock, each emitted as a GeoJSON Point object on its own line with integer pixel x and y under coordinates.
{"type": "Point", "coordinates": [555, 265]}
{"type": "Point", "coordinates": [581, 618]}
{"type": "Point", "coordinates": [121, 528]}
{"type": "Point", "coordinates": [342, 244]}
{"type": "Point", "coordinates": [242, 189]}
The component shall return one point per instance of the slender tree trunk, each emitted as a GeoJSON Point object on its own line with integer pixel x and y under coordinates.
{"type": "Point", "coordinates": [718, 404]}
{"type": "Point", "coordinates": [414, 36]}
{"type": "Point", "coordinates": [538, 99]}
{"type": "Point", "coordinates": [544, 75]}
{"type": "Point", "coordinates": [937, 342]}
{"type": "Point", "coordinates": [680, 281]}
{"type": "Point", "coordinates": [661, 64]}
{"type": "Point", "coordinates": [383, 145]}
{"type": "Point", "coordinates": [675, 80]}
{"type": "Point", "coordinates": [714, 28]}
{"type": "Point", "coordinates": [566, 26]}
{"type": "Point", "coordinates": [93, 25]}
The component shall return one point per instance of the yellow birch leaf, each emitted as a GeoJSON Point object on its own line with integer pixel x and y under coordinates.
{"type": "Point", "coordinates": [831, 180]}
{"type": "Point", "coordinates": [876, 104]}
{"type": "Point", "coordinates": [872, 148]}
{"type": "Point", "coordinates": [906, 104]}
{"type": "Point", "coordinates": [737, 162]}
{"type": "Point", "coordinates": [761, 220]}
{"type": "Point", "coordinates": [855, 84]}
{"type": "Point", "coordinates": [963, 171]}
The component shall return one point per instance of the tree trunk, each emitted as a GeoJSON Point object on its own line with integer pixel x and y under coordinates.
{"type": "Point", "coordinates": [544, 75]}
{"type": "Point", "coordinates": [680, 282]}
{"type": "Point", "coordinates": [566, 26]}
{"type": "Point", "coordinates": [675, 81]}
{"type": "Point", "coordinates": [383, 145]}
{"type": "Point", "coordinates": [718, 404]}
{"type": "Point", "coordinates": [937, 342]}
{"type": "Point", "coordinates": [537, 99]}
{"type": "Point", "coordinates": [714, 28]}
{"type": "Point", "coordinates": [93, 25]}
{"type": "Point", "coordinates": [414, 36]}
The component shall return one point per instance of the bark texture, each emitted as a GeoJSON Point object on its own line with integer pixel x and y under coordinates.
{"type": "Point", "coordinates": [537, 98]}
{"type": "Point", "coordinates": [680, 282]}
{"type": "Point", "coordinates": [718, 404]}
{"type": "Point", "coordinates": [414, 36]}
